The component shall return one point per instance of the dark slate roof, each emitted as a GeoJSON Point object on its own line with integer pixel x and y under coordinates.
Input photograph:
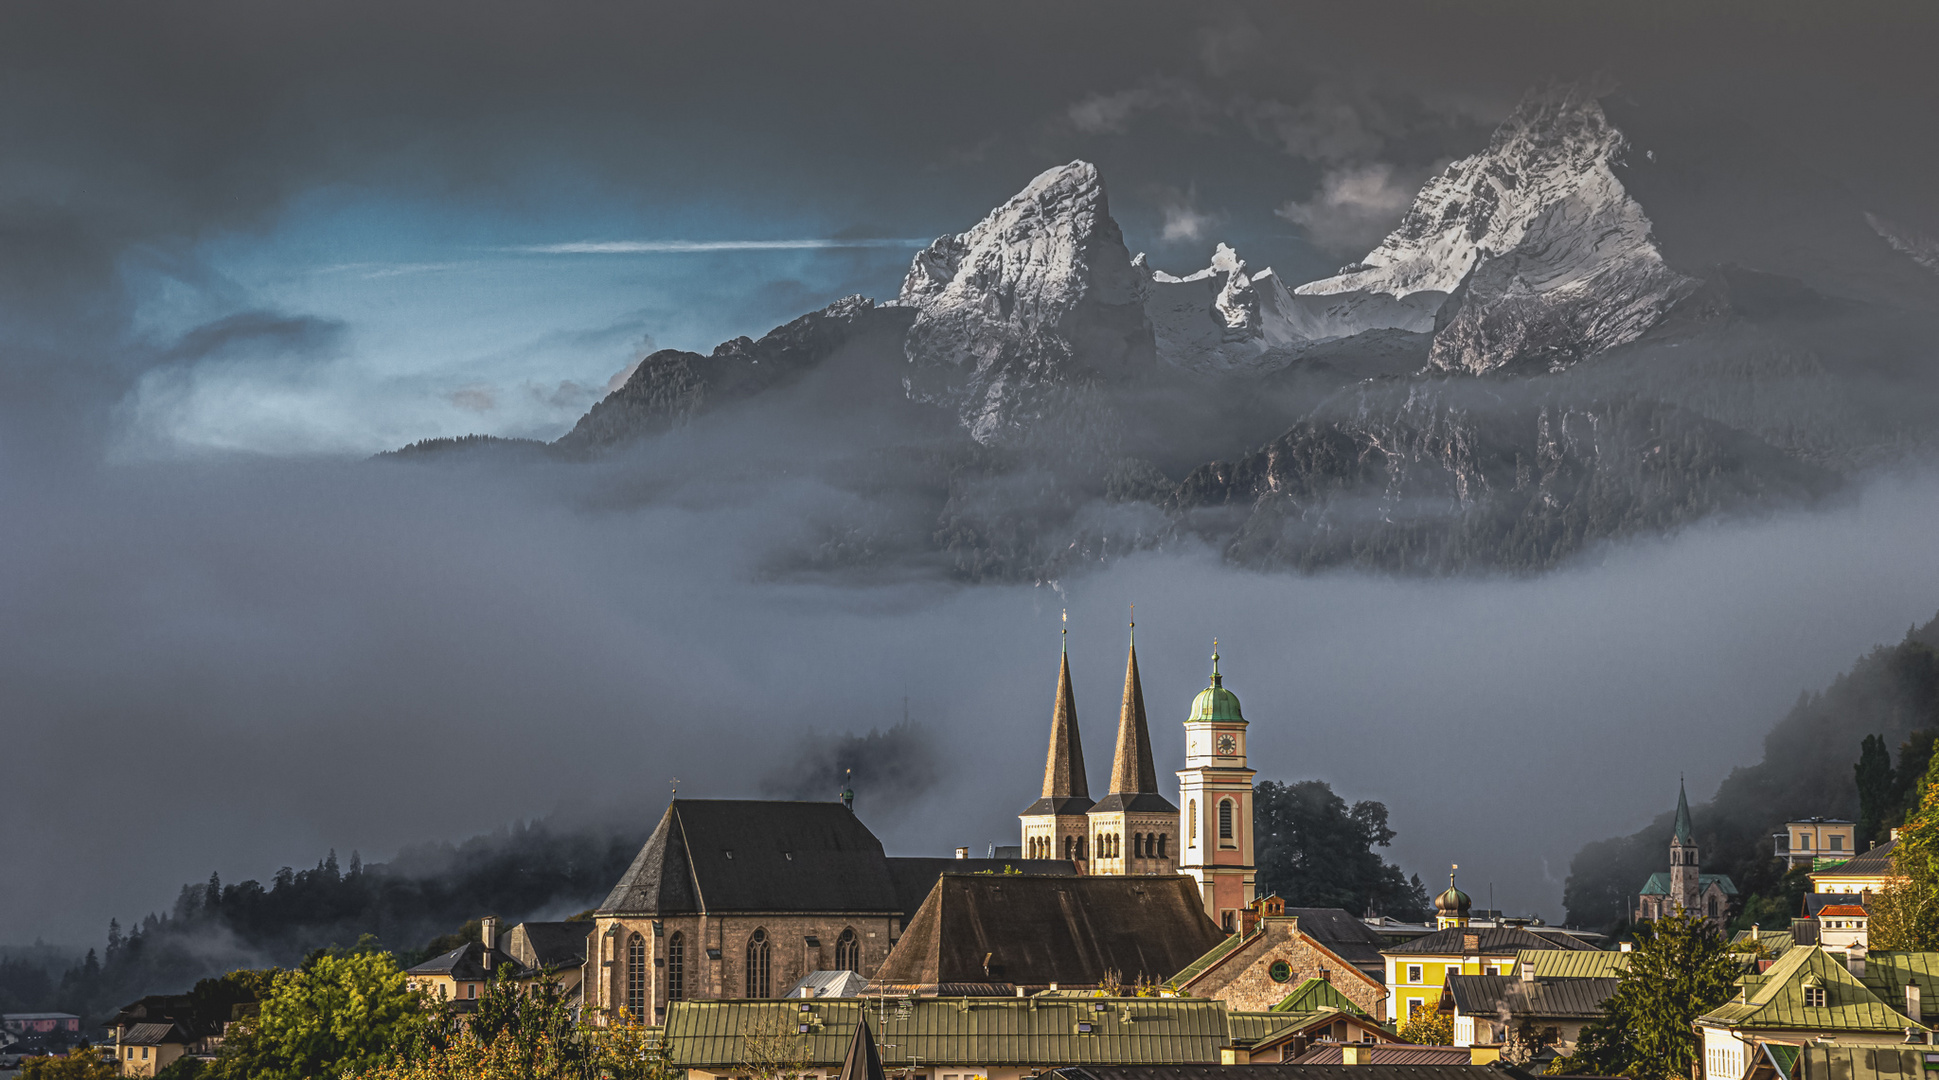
{"type": "Point", "coordinates": [556, 945]}
{"type": "Point", "coordinates": [1349, 938]}
{"type": "Point", "coordinates": [1136, 802]}
{"type": "Point", "coordinates": [1039, 930]}
{"type": "Point", "coordinates": [1062, 804]}
{"type": "Point", "coordinates": [1291, 1071]}
{"type": "Point", "coordinates": [466, 963]}
{"type": "Point", "coordinates": [1493, 941]}
{"type": "Point", "coordinates": [720, 855]}
{"type": "Point", "coordinates": [1876, 861]}
{"type": "Point", "coordinates": [1394, 1056]}
{"type": "Point", "coordinates": [1659, 884]}
{"type": "Point", "coordinates": [914, 877]}
{"type": "Point", "coordinates": [155, 1034]}
{"type": "Point", "coordinates": [1483, 995]}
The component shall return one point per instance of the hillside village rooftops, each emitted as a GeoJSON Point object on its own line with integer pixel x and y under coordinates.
{"type": "Point", "coordinates": [1877, 861]}
{"type": "Point", "coordinates": [1438, 1068]}
{"type": "Point", "coordinates": [1488, 941]}
{"type": "Point", "coordinates": [156, 1034]}
{"type": "Point", "coordinates": [709, 1035]}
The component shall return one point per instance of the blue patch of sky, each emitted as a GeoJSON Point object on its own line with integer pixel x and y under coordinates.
{"type": "Point", "coordinates": [463, 316]}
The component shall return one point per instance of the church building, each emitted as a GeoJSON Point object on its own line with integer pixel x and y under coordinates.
{"type": "Point", "coordinates": [1134, 829]}
{"type": "Point", "coordinates": [1684, 890]}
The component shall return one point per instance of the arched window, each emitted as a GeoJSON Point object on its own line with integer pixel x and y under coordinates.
{"type": "Point", "coordinates": [1138, 845]}
{"type": "Point", "coordinates": [757, 964]}
{"type": "Point", "coordinates": [1161, 845]}
{"type": "Point", "coordinates": [1191, 817]}
{"type": "Point", "coordinates": [848, 952]}
{"type": "Point", "coordinates": [1080, 848]}
{"type": "Point", "coordinates": [1070, 847]}
{"type": "Point", "coordinates": [1225, 819]}
{"type": "Point", "coordinates": [636, 978]}
{"type": "Point", "coordinates": [676, 967]}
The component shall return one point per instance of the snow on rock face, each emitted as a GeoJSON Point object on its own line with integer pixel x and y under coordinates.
{"type": "Point", "coordinates": [1221, 318]}
{"type": "Point", "coordinates": [1528, 253]}
{"type": "Point", "coordinates": [1040, 294]}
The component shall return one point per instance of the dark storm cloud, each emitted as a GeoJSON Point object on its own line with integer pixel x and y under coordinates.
{"type": "Point", "coordinates": [235, 666]}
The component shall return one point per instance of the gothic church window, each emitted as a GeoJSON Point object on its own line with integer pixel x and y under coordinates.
{"type": "Point", "coordinates": [636, 977]}
{"type": "Point", "coordinates": [676, 967]}
{"type": "Point", "coordinates": [848, 952]}
{"type": "Point", "coordinates": [758, 955]}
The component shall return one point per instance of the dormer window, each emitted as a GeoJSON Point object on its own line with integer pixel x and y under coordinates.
{"type": "Point", "coordinates": [1814, 997]}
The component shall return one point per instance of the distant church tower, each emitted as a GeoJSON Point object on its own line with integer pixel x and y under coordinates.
{"type": "Point", "coordinates": [1055, 826]}
{"type": "Point", "coordinates": [1684, 876]}
{"type": "Point", "coordinates": [1216, 789]}
{"type": "Point", "coordinates": [1135, 829]}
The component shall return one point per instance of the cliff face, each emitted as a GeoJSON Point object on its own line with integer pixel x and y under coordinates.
{"type": "Point", "coordinates": [1040, 294]}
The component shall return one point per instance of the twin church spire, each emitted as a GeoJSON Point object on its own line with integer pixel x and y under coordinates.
{"type": "Point", "coordinates": [1100, 836]}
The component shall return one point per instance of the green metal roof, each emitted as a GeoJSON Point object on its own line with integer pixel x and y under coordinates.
{"type": "Point", "coordinates": [1250, 1027]}
{"type": "Point", "coordinates": [1219, 952]}
{"type": "Point", "coordinates": [1215, 702]}
{"type": "Point", "coordinates": [1886, 974]}
{"type": "Point", "coordinates": [961, 1031]}
{"type": "Point", "coordinates": [1659, 883]}
{"type": "Point", "coordinates": [1314, 995]}
{"type": "Point", "coordinates": [1557, 964]}
{"type": "Point", "coordinates": [1776, 1002]}
{"type": "Point", "coordinates": [1783, 1058]}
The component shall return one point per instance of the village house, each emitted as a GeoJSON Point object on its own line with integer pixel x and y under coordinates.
{"type": "Point", "coordinates": [1806, 840]}
{"type": "Point", "coordinates": [1542, 1016]}
{"type": "Point", "coordinates": [1808, 995]}
{"type": "Point", "coordinates": [1256, 968]}
{"type": "Point", "coordinates": [1417, 971]}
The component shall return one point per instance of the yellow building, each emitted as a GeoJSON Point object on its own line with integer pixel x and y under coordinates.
{"type": "Point", "coordinates": [1809, 839]}
{"type": "Point", "coordinates": [1418, 970]}
{"type": "Point", "coordinates": [1865, 873]}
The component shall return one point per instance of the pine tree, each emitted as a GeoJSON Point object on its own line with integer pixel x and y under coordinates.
{"type": "Point", "coordinates": [115, 940]}
{"type": "Point", "coordinates": [330, 867]}
{"type": "Point", "coordinates": [1875, 787]}
{"type": "Point", "coordinates": [212, 900]}
{"type": "Point", "coordinates": [1680, 969]}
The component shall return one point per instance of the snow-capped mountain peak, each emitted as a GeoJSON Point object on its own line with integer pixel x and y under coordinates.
{"type": "Point", "coordinates": [1551, 258]}
{"type": "Point", "coordinates": [1040, 293]}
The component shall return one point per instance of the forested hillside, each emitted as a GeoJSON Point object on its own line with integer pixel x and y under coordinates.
{"type": "Point", "coordinates": [1889, 697]}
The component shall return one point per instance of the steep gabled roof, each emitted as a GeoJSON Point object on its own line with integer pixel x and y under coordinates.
{"type": "Point", "coordinates": [1034, 931]}
{"type": "Point", "coordinates": [156, 1034]}
{"type": "Point", "coordinates": [555, 945]}
{"type": "Point", "coordinates": [466, 963]}
{"type": "Point", "coordinates": [1683, 831]}
{"type": "Point", "coordinates": [719, 855]}
{"type": "Point", "coordinates": [1316, 994]}
{"type": "Point", "coordinates": [915, 877]}
{"type": "Point", "coordinates": [1776, 1002]}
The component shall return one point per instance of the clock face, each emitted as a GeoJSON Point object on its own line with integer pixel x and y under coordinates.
{"type": "Point", "coordinates": [1228, 744]}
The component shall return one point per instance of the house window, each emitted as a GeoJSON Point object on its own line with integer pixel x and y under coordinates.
{"type": "Point", "coordinates": [1814, 997]}
{"type": "Point", "coordinates": [1414, 1007]}
{"type": "Point", "coordinates": [1804, 841]}
{"type": "Point", "coordinates": [1413, 973]}
{"type": "Point", "coordinates": [848, 952]}
{"type": "Point", "coordinates": [757, 964]}
{"type": "Point", "coordinates": [1225, 819]}
{"type": "Point", "coordinates": [1452, 969]}
{"type": "Point", "coordinates": [1191, 815]}
{"type": "Point", "coordinates": [636, 977]}
{"type": "Point", "coordinates": [471, 990]}
{"type": "Point", "coordinates": [1713, 907]}
{"type": "Point", "coordinates": [1837, 843]}
{"type": "Point", "coordinates": [677, 966]}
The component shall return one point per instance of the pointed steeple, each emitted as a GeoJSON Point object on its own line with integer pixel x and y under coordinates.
{"type": "Point", "coordinates": [1682, 814]}
{"type": "Point", "coordinates": [1132, 770]}
{"type": "Point", "coordinates": [862, 1062]}
{"type": "Point", "coordinates": [1064, 764]}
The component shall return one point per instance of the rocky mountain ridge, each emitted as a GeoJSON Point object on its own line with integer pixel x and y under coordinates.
{"type": "Point", "coordinates": [1515, 374]}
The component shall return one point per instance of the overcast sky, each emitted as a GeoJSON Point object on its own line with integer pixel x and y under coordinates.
{"type": "Point", "coordinates": [242, 246]}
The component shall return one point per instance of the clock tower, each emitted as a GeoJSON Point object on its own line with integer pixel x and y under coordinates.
{"type": "Point", "coordinates": [1215, 792]}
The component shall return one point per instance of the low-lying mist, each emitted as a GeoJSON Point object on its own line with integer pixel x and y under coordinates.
{"type": "Point", "coordinates": [235, 666]}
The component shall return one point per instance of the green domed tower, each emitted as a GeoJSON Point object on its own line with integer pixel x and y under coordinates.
{"type": "Point", "coordinates": [1215, 790]}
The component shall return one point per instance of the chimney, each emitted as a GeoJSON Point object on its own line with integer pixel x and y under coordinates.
{"type": "Point", "coordinates": [1248, 919]}
{"type": "Point", "coordinates": [1855, 961]}
{"type": "Point", "coordinates": [1627, 946]}
{"type": "Point", "coordinates": [1912, 1001]}
{"type": "Point", "coordinates": [962, 853]}
{"type": "Point", "coordinates": [488, 934]}
{"type": "Point", "coordinates": [1527, 971]}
